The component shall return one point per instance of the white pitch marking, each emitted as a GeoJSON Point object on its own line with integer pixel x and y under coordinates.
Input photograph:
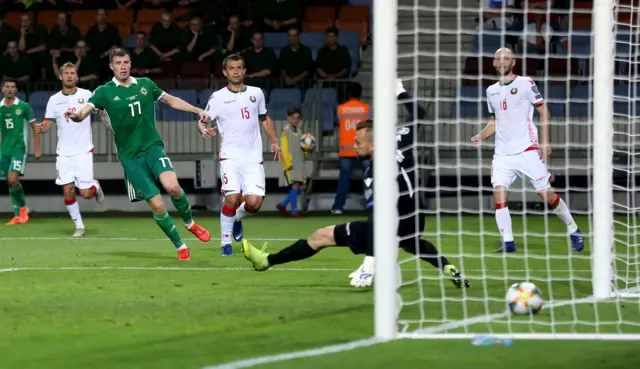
{"type": "Point", "coordinates": [122, 239]}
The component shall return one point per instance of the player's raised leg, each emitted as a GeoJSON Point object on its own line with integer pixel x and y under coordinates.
{"type": "Point", "coordinates": [16, 193]}
{"type": "Point", "coordinates": [163, 169]}
{"type": "Point", "coordinates": [535, 169]}
{"type": "Point", "coordinates": [253, 191]}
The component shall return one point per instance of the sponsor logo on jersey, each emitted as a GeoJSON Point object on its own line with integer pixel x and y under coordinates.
{"type": "Point", "coordinates": [403, 131]}
{"type": "Point", "coordinates": [229, 102]}
{"type": "Point", "coordinates": [534, 89]}
{"type": "Point", "coordinates": [514, 91]}
{"type": "Point", "coordinates": [80, 100]}
{"type": "Point", "coordinates": [18, 111]}
{"type": "Point", "coordinates": [252, 98]}
{"type": "Point", "coordinates": [143, 91]}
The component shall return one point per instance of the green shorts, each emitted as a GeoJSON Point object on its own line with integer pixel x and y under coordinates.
{"type": "Point", "coordinates": [141, 173]}
{"type": "Point", "coordinates": [15, 163]}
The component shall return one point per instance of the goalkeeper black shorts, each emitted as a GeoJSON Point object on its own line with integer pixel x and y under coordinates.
{"type": "Point", "coordinates": [353, 235]}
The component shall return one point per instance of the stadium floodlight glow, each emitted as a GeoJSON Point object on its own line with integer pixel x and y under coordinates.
{"type": "Point", "coordinates": [595, 135]}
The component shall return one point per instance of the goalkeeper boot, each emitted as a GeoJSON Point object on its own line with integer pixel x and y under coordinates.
{"type": "Point", "coordinates": [577, 241]}
{"type": "Point", "coordinates": [256, 256]}
{"type": "Point", "coordinates": [238, 230]}
{"type": "Point", "coordinates": [456, 277]}
{"type": "Point", "coordinates": [508, 246]}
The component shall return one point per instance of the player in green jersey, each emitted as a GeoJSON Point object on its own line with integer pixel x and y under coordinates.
{"type": "Point", "coordinates": [129, 106]}
{"type": "Point", "coordinates": [15, 118]}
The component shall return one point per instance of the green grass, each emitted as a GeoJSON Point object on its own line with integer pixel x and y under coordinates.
{"type": "Point", "coordinates": [95, 314]}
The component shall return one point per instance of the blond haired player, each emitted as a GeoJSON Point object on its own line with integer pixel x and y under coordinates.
{"type": "Point", "coordinates": [238, 111]}
{"type": "Point", "coordinates": [74, 154]}
{"type": "Point", "coordinates": [518, 153]}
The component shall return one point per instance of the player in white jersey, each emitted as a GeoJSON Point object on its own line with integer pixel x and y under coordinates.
{"type": "Point", "coordinates": [74, 154]}
{"type": "Point", "coordinates": [238, 111]}
{"type": "Point", "coordinates": [518, 153]}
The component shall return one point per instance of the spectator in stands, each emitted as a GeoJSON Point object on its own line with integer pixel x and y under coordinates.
{"type": "Point", "coordinates": [237, 37]}
{"type": "Point", "coordinates": [87, 64]}
{"type": "Point", "coordinates": [333, 62]}
{"type": "Point", "coordinates": [165, 38]}
{"type": "Point", "coordinates": [144, 61]}
{"type": "Point", "coordinates": [261, 62]}
{"type": "Point", "coordinates": [537, 32]}
{"type": "Point", "coordinates": [33, 42]}
{"type": "Point", "coordinates": [492, 15]}
{"type": "Point", "coordinates": [295, 60]}
{"type": "Point", "coordinates": [101, 38]}
{"type": "Point", "coordinates": [200, 44]}
{"type": "Point", "coordinates": [15, 65]}
{"type": "Point", "coordinates": [7, 33]}
{"type": "Point", "coordinates": [63, 39]}
{"type": "Point", "coordinates": [280, 15]}
{"type": "Point", "coordinates": [349, 114]}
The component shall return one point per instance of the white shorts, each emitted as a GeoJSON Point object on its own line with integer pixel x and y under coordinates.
{"type": "Point", "coordinates": [529, 165]}
{"type": "Point", "coordinates": [76, 169]}
{"type": "Point", "coordinates": [237, 177]}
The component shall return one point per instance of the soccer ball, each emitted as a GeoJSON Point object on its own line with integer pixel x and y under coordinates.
{"type": "Point", "coordinates": [524, 299]}
{"type": "Point", "coordinates": [307, 142]}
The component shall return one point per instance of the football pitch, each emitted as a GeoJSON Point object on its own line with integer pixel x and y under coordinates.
{"type": "Point", "coordinates": [118, 298]}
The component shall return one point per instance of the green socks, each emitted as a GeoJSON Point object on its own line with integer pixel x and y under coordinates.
{"type": "Point", "coordinates": [17, 198]}
{"type": "Point", "coordinates": [181, 204]}
{"type": "Point", "coordinates": [167, 225]}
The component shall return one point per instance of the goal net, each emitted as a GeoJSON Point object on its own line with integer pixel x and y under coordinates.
{"type": "Point", "coordinates": [445, 51]}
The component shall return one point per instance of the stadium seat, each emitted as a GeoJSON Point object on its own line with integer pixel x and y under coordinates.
{"type": "Point", "coordinates": [355, 25]}
{"type": "Point", "coordinates": [487, 43]}
{"type": "Point", "coordinates": [561, 68]}
{"type": "Point", "coordinates": [317, 26]}
{"type": "Point", "coordinates": [525, 67]}
{"type": "Point", "coordinates": [471, 92]}
{"type": "Point", "coordinates": [130, 41]}
{"type": "Point", "coordinates": [180, 12]}
{"type": "Point", "coordinates": [368, 3]}
{"type": "Point", "coordinates": [48, 18]}
{"type": "Point", "coordinates": [149, 16]}
{"type": "Point", "coordinates": [313, 40]}
{"type": "Point", "coordinates": [328, 97]}
{"type": "Point", "coordinates": [329, 115]}
{"type": "Point", "coordinates": [470, 109]}
{"type": "Point", "coordinates": [13, 18]}
{"type": "Point", "coordinates": [275, 39]}
{"type": "Point", "coordinates": [355, 60]}
{"type": "Point", "coordinates": [285, 96]}
{"type": "Point", "coordinates": [204, 96]}
{"type": "Point", "coordinates": [278, 111]}
{"type": "Point", "coordinates": [355, 12]}
{"type": "Point", "coordinates": [169, 114]}
{"type": "Point", "coordinates": [320, 13]}
{"type": "Point", "coordinates": [21, 96]}
{"type": "Point", "coordinates": [350, 39]}
{"type": "Point", "coordinates": [40, 98]}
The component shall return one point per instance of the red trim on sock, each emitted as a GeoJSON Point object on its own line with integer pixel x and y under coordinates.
{"type": "Point", "coordinates": [70, 202]}
{"type": "Point", "coordinates": [94, 190]}
{"type": "Point", "coordinates": [250, 210]}
{"type": "Point", "coordinates": [555, 202]}
{"type": "Point", "coordinates": [226, 210]}
{"type": "Point", "coordinates": [503, 205]}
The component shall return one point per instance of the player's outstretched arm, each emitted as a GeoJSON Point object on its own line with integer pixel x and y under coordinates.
{"type": "Point", "coordinates": [179, 104]}
{"type": "Point", "coordinates": [545, 146]}
{"type": "Point", "coordinates": [486, 132]}
{"type": "Point", "coordinates": [80, 115]}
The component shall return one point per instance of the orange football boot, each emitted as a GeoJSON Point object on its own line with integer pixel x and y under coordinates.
{"type": "Point", "coordinates": [13, 221]}
{"type": "Point", "coordinates": [184, 254]}
{"type": "Point", "coordinates": [202, 234]}
{"type": "Point", "coordinates": [24, 215]}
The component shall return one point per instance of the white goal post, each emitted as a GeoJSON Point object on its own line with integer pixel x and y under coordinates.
{"type": "Point", "coordinates": [594, 294]}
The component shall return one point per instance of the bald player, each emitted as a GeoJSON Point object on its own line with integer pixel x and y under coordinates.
{"type": "Point", "coordinates": [518, 152]}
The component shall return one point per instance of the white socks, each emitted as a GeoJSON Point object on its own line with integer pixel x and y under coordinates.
{"type": "Point", "coordinates": [241, 213]}
{"type": "Point", "coordinates": [74, 212]}
{"type": "Point", "coordinates": [503, 219]}
{"type": "Point", "coordinates": [562, 211]}
{"type": "Point", "coordinates": [226, 228]}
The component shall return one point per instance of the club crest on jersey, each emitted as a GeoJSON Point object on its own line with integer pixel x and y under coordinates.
{"type": "Point", "coordinates": [514, 91]}
{"type": "Point", "coordinates": [80, 100]}
{"type": "Point", "coordinates": [253, 99]}
{"type": "Point", "coordinates": [143, 91]}
{"type": "Point", "coordinates": [18, 111]}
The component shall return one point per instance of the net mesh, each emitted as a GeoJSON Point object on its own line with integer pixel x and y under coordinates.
{"type": "Point", "coordinates": [445, 52]}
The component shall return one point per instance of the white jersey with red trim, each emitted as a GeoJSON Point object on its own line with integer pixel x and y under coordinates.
{"type": "Point", "coordinates": [513, 104]}
{"type": "Point", "coordinates": [73, 138]}
{"type": "Point", "coordinates": [237, 115]}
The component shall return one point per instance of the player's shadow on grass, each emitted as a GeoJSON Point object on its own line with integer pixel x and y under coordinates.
{"type": "Point", "coordinates": [139, 255]}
